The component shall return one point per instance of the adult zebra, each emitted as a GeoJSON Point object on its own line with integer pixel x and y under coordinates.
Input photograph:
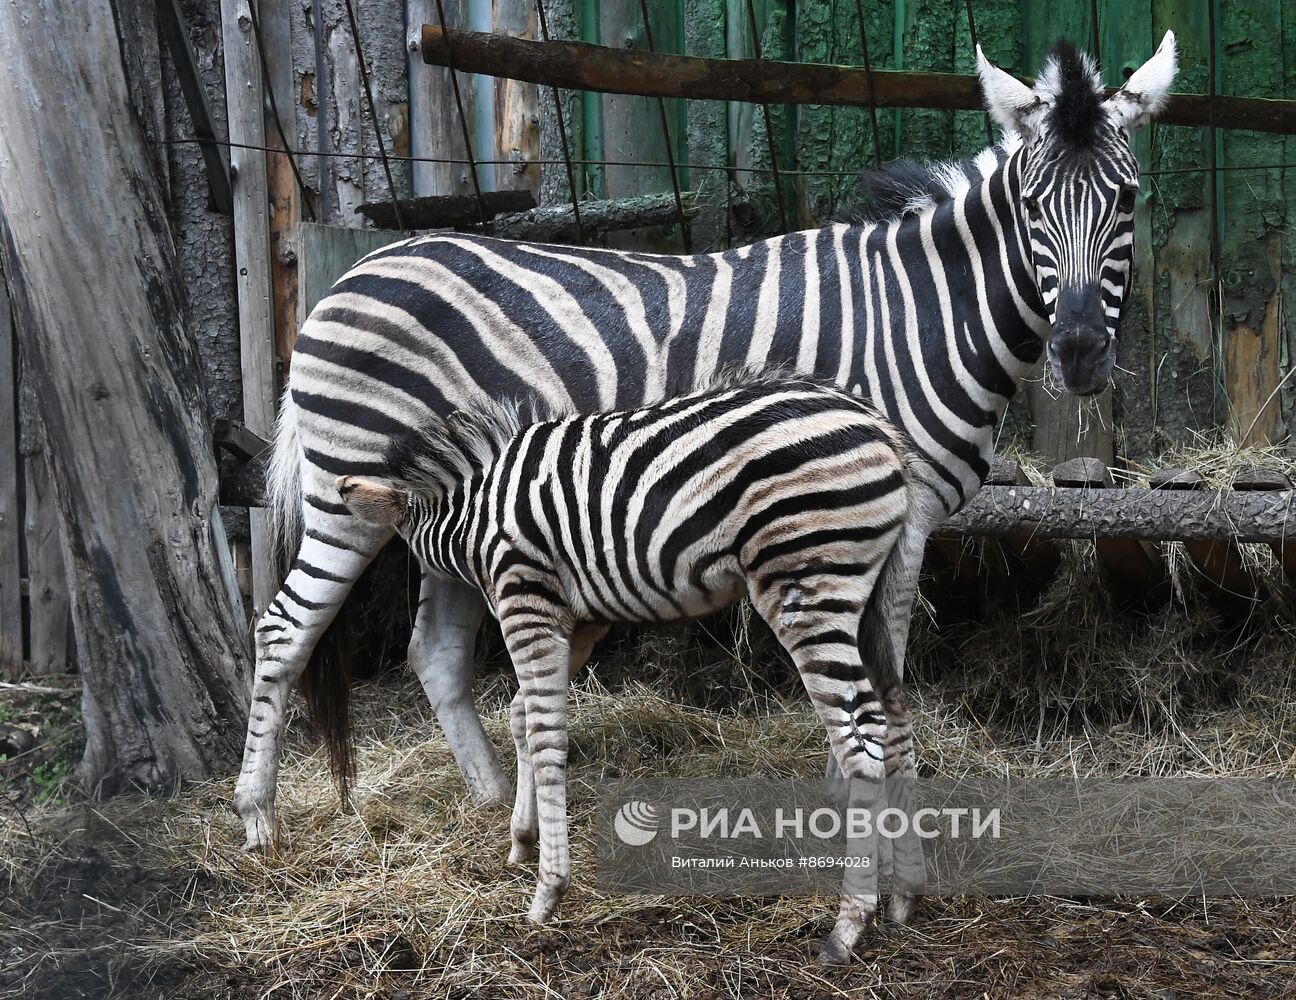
{"type": "Point", "coordinates": [936, 314]}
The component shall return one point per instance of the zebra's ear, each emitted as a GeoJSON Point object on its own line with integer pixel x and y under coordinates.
{"type": "Point", "coordinates": [1015, 106]}
{"type": "Point", "coordinates": [1146, 91]}
{"type": "Point", "coordinates": [373, 502]}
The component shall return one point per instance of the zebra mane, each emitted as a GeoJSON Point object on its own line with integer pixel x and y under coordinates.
{"type": "Point", "coordinates": [442, 453]}
{"type": "Point", "coordinates": [910, 187]}
{"type": "Point", "coordinates": [1072, 87]}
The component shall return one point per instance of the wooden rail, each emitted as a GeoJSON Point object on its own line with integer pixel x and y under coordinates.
{"type": "Point", "coordinates": [582, 66]}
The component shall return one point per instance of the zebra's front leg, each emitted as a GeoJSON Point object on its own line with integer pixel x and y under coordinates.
{"type": "Point", "coordinates": [441, 653]}
{"type": "Point", "coordinates": [286, 635]}
{"type": "Point", "coordinates": [524, 826]}
{"type": "Point", "coordinates": [541, 655]}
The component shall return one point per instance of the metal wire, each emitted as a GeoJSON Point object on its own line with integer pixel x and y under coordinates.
{"type": "Point", "coordinates": [373, 113]}
{"type": "Point", "coordinates": [685, 233]}
{"type": "Point", "coordinates": [543, 161]}
{"type": "Point", "coordinates": [274, 109]}
{"type": "Point", "coordinates": [868, 73]}
{"type": "Point", "coordinates": [463, 118]}
{"type": "Point", "coordinates": [976, 45]}
{"type": "Point", "coordinates": [769, 128]}
{"type": "Point", "coordinates": [562, 133]}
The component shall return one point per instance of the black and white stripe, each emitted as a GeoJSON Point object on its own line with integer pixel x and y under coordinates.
{"type": "Point", "coordinates": [784, 491]}
{"type": "Point", "coordinates": [935, 312]}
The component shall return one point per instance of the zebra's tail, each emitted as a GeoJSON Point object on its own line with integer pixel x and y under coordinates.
{"type": "Point", "coordinates": [283, 484]}
{"type": "Point", "coordinates": [326, 681]}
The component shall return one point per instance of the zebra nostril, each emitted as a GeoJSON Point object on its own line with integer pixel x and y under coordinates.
{"type": "Point", "coordinates": [1050, 351]}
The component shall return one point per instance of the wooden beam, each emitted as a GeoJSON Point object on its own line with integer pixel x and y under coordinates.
{"type": "Point", "coordinates": [11, 644]}
{"type": "Point", "coordinates": [439, 211]}
{"type": "Point", "coordinates": [1155, 515]}
{"type": "Point", "coordinates": [517, 108]}
{"type": "Point", "coordinates": [581, 66]}
{"type": "Point", "coordinates": [244, 102]}
{"type": "Point", "coordinates": [557, 223]}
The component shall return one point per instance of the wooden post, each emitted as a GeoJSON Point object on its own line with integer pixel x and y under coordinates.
{"type": "Point", "coordinates": [276, 32]}
{"type": "Point", "coordinates": [244, 108]}
{"type": "Point", "coordinates": [1135, 568]}
{"type": "Point", "coordinates": [434, 119]}
{"type": "Point", "coordinates": [11, 645]}
{"type": "Point", "coordinates": [517, 108]}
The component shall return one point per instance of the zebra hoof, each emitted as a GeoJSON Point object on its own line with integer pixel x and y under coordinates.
{"type": "Point", "coordinates": [491, 797]}
{"type": "Point", "coordinates": [521, 852]}
{"type": "Point", "coordinates": [902, 907]}
{"type": "Point", "coordinates": [833, 952]}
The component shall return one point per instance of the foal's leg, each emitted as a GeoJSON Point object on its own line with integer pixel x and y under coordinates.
{"type": "Point", "coordinates": [334, 551]}
{"type": "Point", "coordinates": [816, 619]}
{"type": "Point", "coordinates": [524, 826]}
{"type": "Point", "coordinates": [441, 653]}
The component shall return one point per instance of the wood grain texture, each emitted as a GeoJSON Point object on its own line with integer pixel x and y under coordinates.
{"type": "Point", "coordinates": [517, 107]}
{"type": "Point", "coordinates": [47, 583]}
{"type": "Point", "coordinates": [434, 118]}
{"type": "Point", "coordinates": [245, 100]}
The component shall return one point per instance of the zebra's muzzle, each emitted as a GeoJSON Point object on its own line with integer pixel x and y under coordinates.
{"type": "Point", "coordinates": [1080, 349]}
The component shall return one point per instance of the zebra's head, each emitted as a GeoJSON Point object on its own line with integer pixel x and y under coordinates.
{"type": "Point", "coordinates": [1079, 182]}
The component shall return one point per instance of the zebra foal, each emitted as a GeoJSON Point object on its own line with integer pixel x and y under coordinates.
{"type": "Point", "coordinates": [786, 491]}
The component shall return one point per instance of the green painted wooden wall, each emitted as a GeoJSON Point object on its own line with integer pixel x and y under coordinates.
{"type": "Point", "coordinates": [1206, 340]}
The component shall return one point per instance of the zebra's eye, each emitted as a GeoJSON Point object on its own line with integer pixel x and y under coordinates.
{"type": "Point", "coordinates": [1032, 206]}
{"type": "Point", "coordinates": [1127, 198]}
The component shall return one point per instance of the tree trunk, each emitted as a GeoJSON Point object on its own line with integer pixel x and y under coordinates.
{"type": "Point", "coordinates": [91, 268]}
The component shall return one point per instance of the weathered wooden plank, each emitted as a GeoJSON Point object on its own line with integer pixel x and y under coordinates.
{"type": "Point", "coordinates": [11, 645]}
{"type": "Point", "coordinates": [434, 118]}
{"type": "Point", "coordinates": [1065, 426]}
{"type": "Point", "coordinates": [276, 34]}
{"type": "Point", "coordinates": [327, 253]}
{"type": "Point", "coordinates": [244, 99]}
{"type": "Point", "coordinates": [630, 128]}
{"type": "Point", "coordinates": [48, 604]}
{"type": "Point", "coordinates": [517, 107]}
{"type": "Point", "coordinates": [582, 66]}
{"type": "Point", "coordinates": [1252, 219]}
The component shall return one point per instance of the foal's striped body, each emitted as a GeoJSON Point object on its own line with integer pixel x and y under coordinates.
{"type": "Point", "coordinates": [788, 492]}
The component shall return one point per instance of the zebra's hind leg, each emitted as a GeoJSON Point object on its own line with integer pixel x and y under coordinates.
{"type": "Point", "coordinates": [334, 552]}
{"type": "Point", "coordinates": [816, 618]}
{"type": "Point", "coordinates": [908, 868]}
{"type": "Point", "coordinates": [441, 653]}
{"type": "Point", "coordinates": [524, 827]}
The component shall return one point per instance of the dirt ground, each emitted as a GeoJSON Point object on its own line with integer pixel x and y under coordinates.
{"type": "Point", "coordinates": [408, 896]}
